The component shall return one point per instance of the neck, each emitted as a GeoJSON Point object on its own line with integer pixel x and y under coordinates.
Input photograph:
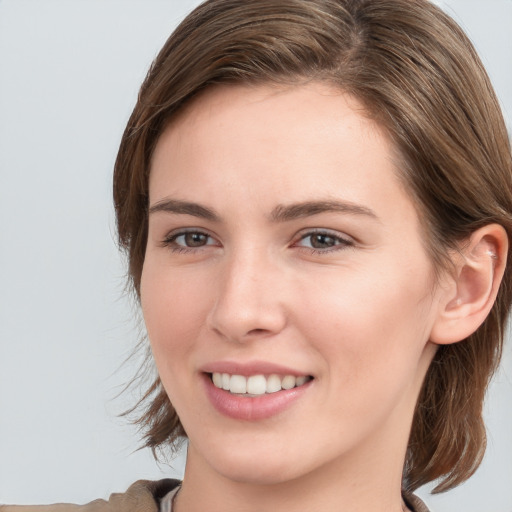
{"type": "Point", "coordinates": [372, 482]}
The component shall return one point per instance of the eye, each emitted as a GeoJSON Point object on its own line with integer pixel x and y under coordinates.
{"type": "Point", "coordinates": [185, 241]}
{"type": "Point", "coordinates": [191, 239]}
{"type": "Point", "coordinates": [323, 241]}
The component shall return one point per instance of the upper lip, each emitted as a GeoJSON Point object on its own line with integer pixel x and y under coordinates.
{"type": "Point", "coordinates": [250, 368]}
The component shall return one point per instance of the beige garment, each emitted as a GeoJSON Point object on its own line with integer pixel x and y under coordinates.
{"type": "Point", "coordinates": [144, 496]}
{"type": "Point", "coordinates": [414, 503]}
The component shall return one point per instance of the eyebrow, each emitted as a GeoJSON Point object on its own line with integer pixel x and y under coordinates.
{"type": "Point", "coordinates": [184, 208]}
{"type": "Point", "coordinates": [281, 213]}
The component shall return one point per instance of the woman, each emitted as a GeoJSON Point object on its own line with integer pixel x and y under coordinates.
{"type": "Point", "coordinates": [316, 201]}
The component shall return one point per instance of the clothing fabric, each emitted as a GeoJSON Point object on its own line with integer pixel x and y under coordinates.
{"type": "Point", "coordinates": [414, 503]}
{"type": "Point", "coordinates": [147, 496]}
{"type": "Point", "coordinates": [166, 503]}
{"type": "Point", "coordinates": [142, 496]}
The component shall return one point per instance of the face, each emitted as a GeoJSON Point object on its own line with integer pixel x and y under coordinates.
{"type": "Point", "coordinates": [285, 264]}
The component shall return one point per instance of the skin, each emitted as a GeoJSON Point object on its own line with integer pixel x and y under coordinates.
{"type": "Point", "coordinates": [355, 312]}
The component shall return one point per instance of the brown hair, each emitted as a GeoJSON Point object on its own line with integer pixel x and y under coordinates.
{"type": "Point", "coordinates": [419, 77]}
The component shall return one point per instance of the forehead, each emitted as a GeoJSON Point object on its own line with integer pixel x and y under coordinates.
{"type": "Point", "coordinates": [299, 101]}
{"type": "Point", "coordinates": [270, 141]}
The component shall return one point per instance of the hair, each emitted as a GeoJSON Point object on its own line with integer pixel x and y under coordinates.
{"type": "Point", "coordinates": [419, 77]}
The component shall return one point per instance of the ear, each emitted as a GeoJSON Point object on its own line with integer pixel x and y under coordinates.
{"type": "Point", "coordinates": [468, 294]}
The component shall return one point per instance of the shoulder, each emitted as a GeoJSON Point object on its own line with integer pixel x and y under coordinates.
{"type": "Point", "coordinates": [142, 496]}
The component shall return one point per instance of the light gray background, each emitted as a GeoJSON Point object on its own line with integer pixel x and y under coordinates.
{"type": "Point", "coordinates": [69, 74]}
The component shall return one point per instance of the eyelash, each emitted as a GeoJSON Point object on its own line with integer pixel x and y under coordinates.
{"type": "Point", "coordinates": [340, 243]}
{"type": "Point", "coordinates": [170, 241]}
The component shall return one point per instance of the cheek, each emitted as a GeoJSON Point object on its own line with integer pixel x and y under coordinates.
{"type": "Point", "coordinates": [174, 308]}
{"type": "Point", "coordinates": [369, 325]}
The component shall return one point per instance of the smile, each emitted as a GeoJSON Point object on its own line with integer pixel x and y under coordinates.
{"type": "Point", "coordinates": [256, 385]}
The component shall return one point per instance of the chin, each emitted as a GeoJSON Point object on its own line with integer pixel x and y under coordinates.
{"type": "Point", "coordinates": [256, 473]}
{"type": "Point", "coordinates": [256, 465]}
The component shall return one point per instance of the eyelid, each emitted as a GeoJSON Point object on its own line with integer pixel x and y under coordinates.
{"type": "Point", "coordinates": [325, 231]}
{"type": "Point", "coordinates": [344, 241]}
{"type": "Point", "coordinates": [169, 239]}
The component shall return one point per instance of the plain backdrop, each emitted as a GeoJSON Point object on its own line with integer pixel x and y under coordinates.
{"type": "Point", "coordinates": [69, 75]}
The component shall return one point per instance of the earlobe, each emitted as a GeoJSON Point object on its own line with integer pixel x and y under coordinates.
{"type": "Point", "coordinates": [470, 292]}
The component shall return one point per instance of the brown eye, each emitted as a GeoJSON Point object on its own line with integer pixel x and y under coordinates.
{"type": "Point", "coordinates": [322, 241]}
{"type": "Point", "coordinates": [189, 240]}
{"type": "Point", "coordinates": [194, 239]}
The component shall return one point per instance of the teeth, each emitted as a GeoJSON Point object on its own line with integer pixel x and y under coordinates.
{"type": "Point", "coordinates": [288, 382]}
{"type": "Point", "coordinates": [273, 383]}
{"type": "Point", "coordinates": [256, 384]}
{"type": "Point", "coordinates": [217, 380]}
{"type": "Point", "coordinates": [237, 384]}
{"type": "Point", "coordinates": [301, 380]}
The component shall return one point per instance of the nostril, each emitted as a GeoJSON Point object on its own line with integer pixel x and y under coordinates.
{"type": "Point", "coordinates": [257, 332]}
{"type": "Point", "coordinates": [245, 322]}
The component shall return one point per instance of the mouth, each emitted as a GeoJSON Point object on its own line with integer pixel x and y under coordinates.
{"type": "Point", "coordinates": [257, 385]}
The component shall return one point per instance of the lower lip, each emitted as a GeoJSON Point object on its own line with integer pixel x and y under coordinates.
{"type": "Point", "coordinates": [252, 408]}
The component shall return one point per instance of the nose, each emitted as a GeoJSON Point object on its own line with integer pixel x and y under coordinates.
{"type": "Point", "coordinates": [249, 302]}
